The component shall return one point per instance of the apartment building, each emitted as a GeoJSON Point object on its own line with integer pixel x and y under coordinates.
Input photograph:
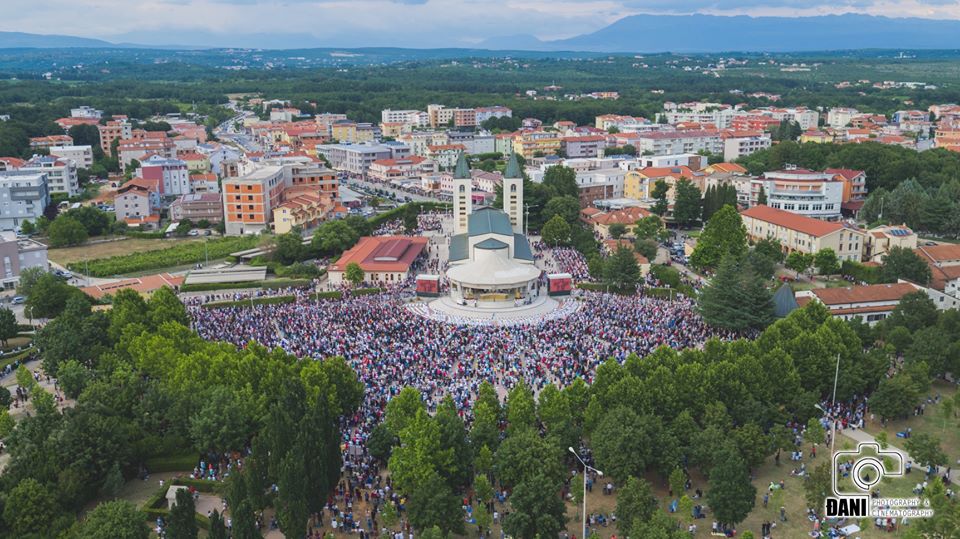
{"type": "Point", "coordinates": [869, 303]}
{"type": "Point", "coordinates": [717, 114]}
{"type": "Point", "coordinates": [37, 143]}
{"type": "Point", "coordinates": [676, 142]}
{"type": "Point", "coordinates": [414, 117]}
{"type": "Point", "coordinates": [17, 255]}
{"type": "Point", "coordinates": [445, 155]}
{"type": "Point", "coordinates": [385, 170]}
{"type": "Point", "coordinates": [249, 200]}
{"type": "Point", "coordinates": [737, 144]}
{"type": "Point", "coordinates": [803, 234]}
{"type": "Point", "coordinates": [804, 117]}
{"type": "Point", "coordinates": [532, 143]}
{"type": "Point", "coordinates": [82, 156]}
{"type": "Point", "coordinates": [312, 177]}
{"type": "Point", "coordinates": [197, 207]}
{"type": "Point", "coordinates": [86, 112]}
{"type": "Point", "coordinates": [137, 201]}
{"type": "Point", "coordinates": [61, 173]}
{"type": "Point", "coordinates": [304, 210]}
{"type": "Point", "coordinates": [357, 158]}
{"type": "Point", "coordinates": [23, 197]}
{"type": "Point", "coordinates": [839, 117]}
{"type": "Point", "coordinates": [114, 130]}
{"type": "Point", "coordinates": [583, 146]}
{"type": "Point", "coordinates": [881, 239]}
{"type": "Point", "coordinates": [804, 192]}
{"type": "Point", "coordinates": [854, 183]}
{"type": "Point", "coordinates": [173, 175]}
{"type": "Point", "coordinates": [138, 149]}
{"type": "Point", "coordinates": [497, 111]}
{"type": "Point", "coordinates": [419, 141]}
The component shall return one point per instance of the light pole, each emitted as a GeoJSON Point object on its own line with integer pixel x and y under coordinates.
{"type": "Point", "coordinates": [585, 468]}
{"type": "Point", "coordinates": [833, 403]}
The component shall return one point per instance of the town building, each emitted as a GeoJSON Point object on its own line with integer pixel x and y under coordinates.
{"type": "Point", "coordinates": [800, 191]}
{"type": "Point", "coordinates": [61, 173]}
{"type": "Point", "coordinates": [385, 170]}
{"type": "Point", "coordinates": [197, 207]}
{"type": "Point", "coordinates": [803, 234]}
{"type": "Point", "coordinates": [114, 130]}
{"type": "Point", "coordinates": [529, 144]}
{"type": "Point", "coordinates": [18, 254]}
{"type": "Point", "coordinates": [173, 175]}
{"type": "Point", "coordinates": [869, 303]}
{"type": "Point", "coordinates": [305, 210]}
{"type": "Point", "coordinates": [82, 156]}
{"type": "Point", "coordinates": [357, 158]}
{"type": "Point", "coordinates": [583, 146]}
{"type": "Point", "coordinates": [385, 260]}
{"type": "Point", "coordinates": [86, 112]}
{"type": "Point", "coordinates": [854, 183]}
{"type": "Point", "coordinates": [737, 144]}
{"type": "Point", "coordinates": [248, 200]}
{"type": "Point", "coordinates": [839, 117]}
{"type": "Point", "coordinates": [944, 262]}
{"type": "Point", "coordinates": [497, 111]}
{"type": "Point", "coordinates": [137, 202]}
{"type": "Point", "coordinates": [50, 141]}
{"type": "Point", "coordinates": [677, 142]}
{"type": "Point", "coordinates": [881, 239]}
{"type": "Point", "coordinates": [445, 155]}
{"type": "Point", "coordinates": [628, 217]}
{"type": "Point", "coordinates": [139, 149]}
{"type": "Point", "coordinates": [24, 196]}
{"type": "Point", "coordinates": [204, 182]}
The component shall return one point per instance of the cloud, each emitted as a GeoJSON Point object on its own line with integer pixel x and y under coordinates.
{"type": "Point", "coordinates": [402, 23]}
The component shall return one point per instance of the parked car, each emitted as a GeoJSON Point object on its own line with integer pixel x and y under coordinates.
{"type": "Point", "coordinates": [18, 300]}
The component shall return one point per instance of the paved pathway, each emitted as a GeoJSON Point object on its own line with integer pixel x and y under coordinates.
{"type": "Point", "coordinates": [860, 436]}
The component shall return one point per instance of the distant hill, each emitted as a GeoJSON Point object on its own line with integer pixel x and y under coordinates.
{"type": "Point", "coordinates": [21, 40]}
{"type": "Point", "coordinates": [712, 33]}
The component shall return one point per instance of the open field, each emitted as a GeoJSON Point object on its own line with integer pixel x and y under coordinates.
{"type": "Point", "coordinates": [93, 251]}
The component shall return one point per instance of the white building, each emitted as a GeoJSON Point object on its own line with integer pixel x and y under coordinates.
{"type": "Point", "coordinates": [173, 174]}
{"type": "Point", "coordinates": [416, 118]}
{"type": "Point", "coordinates": [82, 156]}
{"type": "Point", "coordinates": [737, 144]}
{"type": "Point", "coordinates": [86, 112]}
{"type": "Point", "coordinates": [676, 142]}
{"type": "Point", "coordinates": [496, 111]}
{"type": "Point", "coordinates": [23, 197]}
{"type": "Point", "coordinates": [804, 192]}
{"type": "Point", "coordinates": [840, 116]}
{"type": "Point", "coordinates": [61, 173]}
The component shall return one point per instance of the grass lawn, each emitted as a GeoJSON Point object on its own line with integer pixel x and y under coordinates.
{"type": "Point", "coordinates": [66, 255]}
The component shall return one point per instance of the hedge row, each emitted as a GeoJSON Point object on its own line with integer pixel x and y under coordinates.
{"type": "Point", "coordinates": [171, 463]}
{"type": "Point", "coordinates": [273, 284]}
{"type": "Point", "coordinates": [275, 300]}
{"type": "Point", "coordinates": [177, 255]}
{"type": "Point", "coordinates": [144, 235]}
{"type": "Point", "coordinates": [336, 294]}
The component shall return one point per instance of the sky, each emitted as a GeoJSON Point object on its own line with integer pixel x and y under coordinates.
{"type": "Point", "coordinates": [400, 23]}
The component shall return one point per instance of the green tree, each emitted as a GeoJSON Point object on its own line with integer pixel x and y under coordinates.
{"type": "Point", "coordinates": [334, 237]}
{"type": "Point", "coordinates": [354, 273]}
{"type": "Point", "coordinates": [895, 397]}
{"type": "Point", "coordinates": [114, 481]}
{"type": "Point", "coordinates": [27, 227]}
{"type": "Point", "coordinates": [677, 481]}
{"type": "Point", "coordinates": [28, 279]}
{"type": "Point", "coordinates": [635, 503]}
{"type": "Point", "coordinates": [762, 197]}
{"type": "Point", "coordinates": [687, 203]}
{"type": "Point", "coordinates": [49, 296]}
{"type": "Point", "coordinates": [7, 423]}
{"type": "Point", "coordinates": [182, 522]}
{"type": "Point", "coordinates": [73, 378]}
{"type": "Point", "coordinates": [826, 262]}
{"type": "Point", "coordinates": [453, 436]}
{"type": "Point", "coordinates": [30, 509]}
{"type": "Point", "coordinates": [623, 442]}
{"type": "Point", "coordinates": [65, 231]}
{"type": "Point", "coordinates": [118, 519]}
{"type": "Point", "coordinates": [730, 494]}
{"type": "Point", "coordinates": [799, 262]}
{"type": "Point", "coordinates": [817, 486]}
{"type": "Point", "coordinates": [736, 298]}
{"type": "Point", "coordinates": [659, 193]}
{"type": "Point", "coordinates": [562, 180]}
{"type": "Point", "coordinates": [815, 433]}
{"type": "Point", "coordinates": [538, 510]}
{"type": "Point", "coordinates": [218, 528]}
{"type": "Point", "coordinates": [617, 230]}
{"type": "Point", "coordinates": [723, 234]}
{"type": "Point", "coordinates": [925, 449]}
{"type": "Point", "coordinates": [222, 423]}
{"type": "Point", "coordinates": [556, 231]}
{"type": "Point", "coordinates": [649, 228]}
{"type": "Point", "coordinates": [8, 325]}
{"type": "Point", "coordinates": [621, 269]}
{"type": "Point", "coordinates": [915, 311]}
{"type": "Point", "coordinates": [567, 207]}
{"type": "Point", "coordinates": [902, 263]}
{"type": "Point", "coordinates": [289, 248]}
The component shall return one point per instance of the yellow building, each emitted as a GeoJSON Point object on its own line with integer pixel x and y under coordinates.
{"type": "Point", "coordinates": [635, 186]}
{"type": "Point", "coordinates": [344, 132]}
{"type": "Point", "coordinates": [820, 137]}
{"type": "Point", "coordinates": [303, 210]}
{"type": "Point", "coordinates": [803, 234]}
{"type": "Point", "coordinates": [534, 143]}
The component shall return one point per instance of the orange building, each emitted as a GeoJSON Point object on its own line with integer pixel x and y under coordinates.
{"type": "Point", "coordinates": [248, 201]}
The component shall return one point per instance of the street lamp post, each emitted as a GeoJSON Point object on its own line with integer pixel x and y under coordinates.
{"type": "Point", "coordinates": [833, 403]}
{"type": "Point", "coordinates": [585, 468]}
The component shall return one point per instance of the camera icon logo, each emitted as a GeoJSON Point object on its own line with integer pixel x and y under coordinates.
{"type": "Point", "coordinates": [866, 466]}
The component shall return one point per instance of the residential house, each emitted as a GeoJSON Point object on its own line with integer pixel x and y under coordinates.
{"type": "Point", "coordinates": [18, 254]}
{"type": "Point", "coordinates": [881, 239]}
{"type": "Point", "coordinates": [61, 173]}
{"type": "Point", "coordinates": [197, 207]}
{"type": "Point", "coordinates": [869, 303]}
{"type": "Point", "coordinates": [137, 203]}
{"type": "Point", "coordinates": [82, 156]}
{"type": "Point", "coordinates": [944, 262]}
{"type": "Point", "coordinates": [23, 197]}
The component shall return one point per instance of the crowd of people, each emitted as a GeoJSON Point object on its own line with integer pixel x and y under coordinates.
{"type": "Point", "coordinates": [426, 222]}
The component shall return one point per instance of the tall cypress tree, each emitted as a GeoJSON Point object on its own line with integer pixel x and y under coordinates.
{"type": "Point", "coordinates": [182, 523]}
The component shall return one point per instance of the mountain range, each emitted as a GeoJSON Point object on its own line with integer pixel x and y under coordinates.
{"type": "Point", "coordinates": [645, 34]}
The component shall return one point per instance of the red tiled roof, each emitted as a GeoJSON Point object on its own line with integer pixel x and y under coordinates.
{"type": "Point", "coordinates": [383, 253]}
{"type": "Point", "coordinates": [847, 173]}
{"type": "Point", "coordinates": [863, 294]}
{"type": "Point", "coordinates": [143, 285]}
{"type": "Point", "coordinates": [626, 216]}
{"type": "Point", "coordinates": [793, 221]}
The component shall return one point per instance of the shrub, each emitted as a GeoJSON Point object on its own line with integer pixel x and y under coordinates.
{"type": "Point", "coordinates": [861, 272]}
{"type": "Point", "coordinates": [171, 463]}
